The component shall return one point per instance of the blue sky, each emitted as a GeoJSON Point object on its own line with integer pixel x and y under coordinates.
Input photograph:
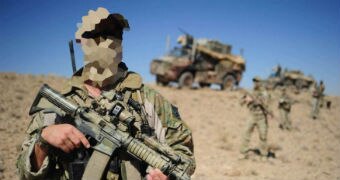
{"type": "Point", "coordinates": [298, 34]}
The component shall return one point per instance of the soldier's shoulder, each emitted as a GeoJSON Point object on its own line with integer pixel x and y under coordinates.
{"type": "Point", "coordinates": [151, 94]}
{"type": "Point", "coordinates": [76, 82]}
{"type": "Point", "coordinates": [147, 88]}
{"type": "Point", "coordinates": [132, 81]}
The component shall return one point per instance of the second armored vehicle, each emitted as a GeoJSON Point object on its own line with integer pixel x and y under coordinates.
{"type": "Point", "coordinates": [289, 78]}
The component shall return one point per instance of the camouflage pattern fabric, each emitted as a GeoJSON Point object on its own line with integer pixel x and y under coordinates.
{"type": "Point", "coordinates": [317, 96]}
{"type": "Point", "coordinates": [284, 108]}
{"type": "Point", "coordinates": [322, 95]}
{"type": "Point", "coordinates": [258, 109]}
{"type": "Point", "coordinates": [166, 121]}
{"type": "Point", "coordinates": [259, 121]}
{"type": "Point", "coordinates": [285, 121]}
{"type": "Point", "coordinates": [315, 107]}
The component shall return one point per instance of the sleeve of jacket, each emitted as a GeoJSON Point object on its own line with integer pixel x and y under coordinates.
{"type": "Point", "coordinates": [24, 163]}
{"type": "Point", "coordinates": [178, 135]}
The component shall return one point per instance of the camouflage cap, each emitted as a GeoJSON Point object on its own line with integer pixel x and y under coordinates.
{"type": "Point", "coordinates": [101, 23]}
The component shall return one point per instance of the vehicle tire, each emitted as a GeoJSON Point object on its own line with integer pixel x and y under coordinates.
{"type": "Point", "coordinates": [228, 83]}
{"type": "Point", "coordinates": [203, 85]}
{"type": "Point", "coordinates": [161, 82]}
{"type": "Point", "coordinates": [186, 80]}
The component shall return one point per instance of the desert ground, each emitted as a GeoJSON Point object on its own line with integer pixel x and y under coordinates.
{"type": "Point", "coordinates": [309, 151]}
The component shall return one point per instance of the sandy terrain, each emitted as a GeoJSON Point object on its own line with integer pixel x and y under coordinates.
{"type": "Point", "coordinates": [309, 151]}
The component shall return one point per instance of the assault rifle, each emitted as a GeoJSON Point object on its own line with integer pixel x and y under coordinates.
{"type": "Point", "coordinates": [113, 133]}
{"type": "Point", "coordinates": [286, 102]}
{"type": "Point", "coordinates": [257, 101]}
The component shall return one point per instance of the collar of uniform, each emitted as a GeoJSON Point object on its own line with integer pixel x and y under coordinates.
{"type": "Point", "coordinates": [123, 80]}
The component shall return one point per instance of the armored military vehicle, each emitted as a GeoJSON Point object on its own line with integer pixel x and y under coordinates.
{"type": "Point", "coordinates": [202, 61]}
{"type": "Point", "coordinates": [289, 78]}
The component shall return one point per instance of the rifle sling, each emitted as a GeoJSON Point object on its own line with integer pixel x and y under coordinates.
{"type": "Point", "coordinates": [127, 96]}
{"type": "Point", "coordinates": [95, 167]}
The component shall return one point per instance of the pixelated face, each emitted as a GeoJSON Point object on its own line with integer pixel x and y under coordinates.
{"type": "Point", "coordinates": [101, 58]}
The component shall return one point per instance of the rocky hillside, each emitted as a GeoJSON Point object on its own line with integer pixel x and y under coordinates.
{"type": "Point", "coordinates": [309, 151]}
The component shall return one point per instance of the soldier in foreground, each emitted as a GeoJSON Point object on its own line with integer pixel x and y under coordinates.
{"type": "Point", "coordinates": [257, 104]}
{"type": "Point", "coordinates": [53, 149]}
{"type": "Point", "coordinates": [285, 104]}
{"type": "Point", "coordinates": [317, 95]}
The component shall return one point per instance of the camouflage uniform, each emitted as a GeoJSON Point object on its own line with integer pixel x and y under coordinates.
{"type": "Point", "coordinates": [162, 116]}
{"type": "Point", "coordinates": [317, 94]}
{"type": "Point", "coordinates": [259, 110]}
{"type": "Point", "coordinates": [284, 108]}
{"type": "Point", "coordinates": [322, 97]}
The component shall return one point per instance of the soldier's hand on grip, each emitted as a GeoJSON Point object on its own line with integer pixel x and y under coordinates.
{"type": "Point", "coordinates": [156, 174]}
{"type": "Point", "coordinates": [65, 137]}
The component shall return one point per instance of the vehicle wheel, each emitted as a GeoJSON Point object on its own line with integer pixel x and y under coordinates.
{"type": "Point", "coordinates": [202, 85]}
{"type": "Point", "coordinates": [228, 83]}
{"type": "Point", "coordinates": [161, 82]}
{"type": "Point", "coordinates": [186, 80]}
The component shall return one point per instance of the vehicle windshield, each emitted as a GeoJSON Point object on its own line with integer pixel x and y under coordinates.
{"type": "Point", "coordinates": [178, 52]}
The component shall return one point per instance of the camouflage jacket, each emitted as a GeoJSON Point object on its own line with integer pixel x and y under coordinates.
{"type": "Point", "coordinates": [259, 106]}
{"type": "Point", "coordinates": [318, 90]}
{"type": "Point", "coordinates": [285, 103]}
{"type": "Point", "coordinates": [162, 116]}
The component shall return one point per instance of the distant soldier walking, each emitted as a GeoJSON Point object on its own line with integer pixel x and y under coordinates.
{"type": "Point", "coordinates": [322, 96]}
{"type": "Point", "coordinates": [285, 104]}
{"type": "Point", "coordinates": [257, 104]}
{"type": "Point", "coordinates": [317, 94]}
